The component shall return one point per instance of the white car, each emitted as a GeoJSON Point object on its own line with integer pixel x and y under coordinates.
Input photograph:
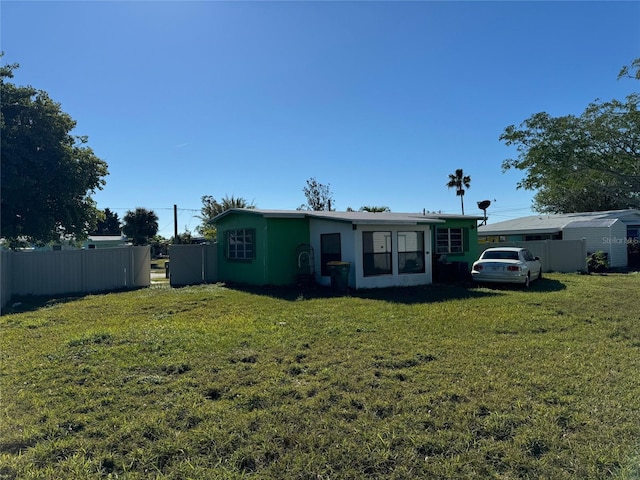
{"type": "Point", "coordinates": [507, 265]}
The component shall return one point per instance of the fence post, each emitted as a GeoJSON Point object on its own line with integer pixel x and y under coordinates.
{"type": "Point", "coordinates": [547, 255]}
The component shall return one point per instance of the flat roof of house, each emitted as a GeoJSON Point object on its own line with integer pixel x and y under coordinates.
{"type": "Point", "coordinates": [107, 238]}
{"type": "Point", "coordinates": [553, 223]}
{"type": "Point", "coordinates": [388, 218]}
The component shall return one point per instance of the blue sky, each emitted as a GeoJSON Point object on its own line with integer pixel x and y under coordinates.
{"type": "Point", "coordinates": [381, 100]}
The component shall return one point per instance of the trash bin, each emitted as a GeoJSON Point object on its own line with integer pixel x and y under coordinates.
{"type": "Point", "coordinates": [339, 272]}
{"type": "Point", "coordinates": [462, 272]}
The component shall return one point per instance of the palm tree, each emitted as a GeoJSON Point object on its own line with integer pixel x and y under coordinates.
{"type": "Point", "coordinates": [140, 225]}
{"type": "Point", "coordinates": [459, 181]}
{"type": "Point", "coordinates": [211, 208]}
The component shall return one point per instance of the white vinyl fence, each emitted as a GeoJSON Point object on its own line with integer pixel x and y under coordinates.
{"type": "Point", "coordinates": [73, 271]}
{"type": "Point", "coordinates": [565, 256]}
{"type": "Point", "coordinates": [193, 264]}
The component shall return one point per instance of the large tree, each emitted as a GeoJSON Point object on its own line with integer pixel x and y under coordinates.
{"type": "Point", "coordinates": [581, 163]}
{"type": "Point", "coordinates": [459, 181]}
{"type": "Point", "coordinates": [212, 208]}
{"type": "Point", "coordinates": [47, 174]}
{"type": "Point", "coordinates": [319, 196]}
{"type": "Point", "coordinates": [140, 225]}
{"type": "Point", "coordinates": [108, 223]}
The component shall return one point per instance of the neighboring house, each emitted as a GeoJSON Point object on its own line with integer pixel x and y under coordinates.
{"type": "Point", "coordinates": [272, 247]}
{"type": "Point", "coordinates": [92, 241]}
{"type": "Point", "coordinates": [609, 231]}
{"type": "Point", "coordinates": [105, 241]}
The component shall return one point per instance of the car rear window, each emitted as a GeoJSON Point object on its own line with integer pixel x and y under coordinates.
{"type": "Point", "coordinates": [500, 255]}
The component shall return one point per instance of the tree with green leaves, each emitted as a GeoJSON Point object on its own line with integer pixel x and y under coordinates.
{"type": "Point", "coordinates": [581, 163]}
{"type": "Point", "coordinates": [108, 223]}
{"type": "Point", "coordinates": [184, 238]}
{"type": "Point", "coordinates": [47, 174]}
{"type": "Point", "coordinates": [159, 246]}
{"type": "Point", "coordinates": [374, 209]}
{"type": "Point", "coordinates": [631, 71]}
{"type": "Point", "coordinates": [140, 225]}
{"type": "Point", "coordinates": [319, 196]}
{"type": "Point", "coordinates": [459, 181]}
{"type": "Point", "coordinates": [211, 208]}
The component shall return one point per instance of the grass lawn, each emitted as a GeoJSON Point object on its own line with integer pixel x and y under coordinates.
{"type": "Point", "coordinates": [158, 271]}
{"type": "Point", "coordinates": [209, 382]}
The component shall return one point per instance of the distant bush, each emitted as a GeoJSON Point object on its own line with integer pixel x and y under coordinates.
{"type": "Point", "coordinates": [597, 262]}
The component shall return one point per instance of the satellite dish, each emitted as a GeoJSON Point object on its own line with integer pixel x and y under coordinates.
{"type": "Point", "coordinates": [483, 205]}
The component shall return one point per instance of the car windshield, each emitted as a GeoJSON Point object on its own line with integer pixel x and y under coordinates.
{"type": "Point", "coordinates": [500, 255]}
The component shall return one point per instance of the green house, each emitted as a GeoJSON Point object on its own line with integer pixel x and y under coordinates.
{"type": "Point", "coordinates": [285, 247]}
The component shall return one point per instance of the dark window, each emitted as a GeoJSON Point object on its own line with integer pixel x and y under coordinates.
{"type": "Point", "coordinates": [545, 236]}
{"type": "Point", "coordinates": [500, 255]}
{"type": "Point", "coordinates": [410, 252]}
{"type": "Point", "coordinates": [449, 240]}
{"type": "Point", "coordinates": [376, 253]}
{"type": "Point", "coordinates": [330, 251]}
{"type": "Point", "coordinates": [241, 244]}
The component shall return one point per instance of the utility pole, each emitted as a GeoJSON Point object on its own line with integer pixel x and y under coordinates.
{"type": "Point", "coordinates": [176, 239]}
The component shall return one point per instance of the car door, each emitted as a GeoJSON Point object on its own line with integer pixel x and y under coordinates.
{"type": "Point", "coordinates": [533, 264]}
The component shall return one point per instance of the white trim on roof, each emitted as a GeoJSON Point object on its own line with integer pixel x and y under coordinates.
{"type": "Point", "coordinates": [356, 218]}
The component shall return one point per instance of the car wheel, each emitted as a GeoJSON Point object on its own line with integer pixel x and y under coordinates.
{"type": "Point", "coordinates": [527, 280]}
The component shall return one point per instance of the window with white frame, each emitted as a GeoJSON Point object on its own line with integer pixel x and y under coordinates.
{"type": "Point", "coordinates": [241, 244]}
{"type": "Point", "coordinates": [376, 253]}
{"type": "Point", "coordinates": [411, 252]}
{"type": "Point", "coordinates": [449, 240]}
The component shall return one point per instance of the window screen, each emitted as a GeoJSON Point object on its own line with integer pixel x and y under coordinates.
{"type": "Point", "coordinates": [376, 251]}
{"type": "Point", "coordinates": [449, 240]}
{"type": "Point", "coordinates": [411, 252]}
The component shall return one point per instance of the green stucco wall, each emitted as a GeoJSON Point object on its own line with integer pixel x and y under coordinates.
{"type": "Point", "coordinates": [276, 240]}
{"type": "Point", "coordinates": [469, 238]}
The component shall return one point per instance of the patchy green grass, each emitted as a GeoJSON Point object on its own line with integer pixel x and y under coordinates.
{"type": "Point", "coordinates": [158, 271]}
{"type": "Point", "coordinates": [440, 382]}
